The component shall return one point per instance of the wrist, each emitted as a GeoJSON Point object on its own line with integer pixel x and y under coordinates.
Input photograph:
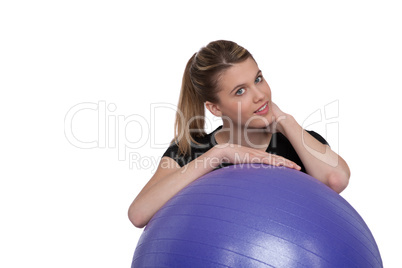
{"type": "Point", "coordinates": [287, 124]}
{"type": "Point", "coordinates": [218, 155]}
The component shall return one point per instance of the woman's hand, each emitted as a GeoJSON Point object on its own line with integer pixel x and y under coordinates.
{"type": "Point", "coordinates": [237, 154]}
{"type": "Point", "coordinates": [278, 117]}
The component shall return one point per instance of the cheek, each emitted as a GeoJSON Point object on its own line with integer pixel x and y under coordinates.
{"type": "Point", "coordinates": [267, 88]}
{"type": "Point", "coordinates": [238, 111]}
{"type": "Point", "coordinates": [246, 113]}
{"type": "Point", "coordinates": [230, 109]}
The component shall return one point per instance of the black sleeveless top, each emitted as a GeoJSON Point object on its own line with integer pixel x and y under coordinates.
{"type": "Point", "coordinates": [279, 145]}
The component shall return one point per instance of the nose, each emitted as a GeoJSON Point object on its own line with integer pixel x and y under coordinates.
{"type": "Point", "coordinates": [258, 94]}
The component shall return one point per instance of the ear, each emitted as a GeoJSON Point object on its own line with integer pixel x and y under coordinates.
{"type": "Point", "coordinates": [213, 108]}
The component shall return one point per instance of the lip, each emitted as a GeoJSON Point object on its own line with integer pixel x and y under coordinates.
{"type": "Point", "coordinates": [264, 111]}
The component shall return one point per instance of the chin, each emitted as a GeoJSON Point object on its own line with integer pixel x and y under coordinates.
{"type": "Point", "coordinates": [257, 126]}
{"type": "Point", "coordinates": [258, 122]}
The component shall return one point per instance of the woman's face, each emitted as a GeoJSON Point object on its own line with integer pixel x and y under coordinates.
{"type": "Point", "coordinates": [244, 97]}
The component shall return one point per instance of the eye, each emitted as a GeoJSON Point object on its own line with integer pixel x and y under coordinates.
{"type": "Point", "coordinates": [258, 79]}
{"type": "Point", "coordinates": [240, 91]}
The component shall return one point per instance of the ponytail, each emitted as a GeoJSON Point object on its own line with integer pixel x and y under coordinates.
{"type": "Point", "coordinates": [190, 113]}
{"type": "Point", "coordinates": [200, 84]}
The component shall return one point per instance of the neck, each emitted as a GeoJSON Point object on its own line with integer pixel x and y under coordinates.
{"type": "Point", "coordinates": [257, 138]}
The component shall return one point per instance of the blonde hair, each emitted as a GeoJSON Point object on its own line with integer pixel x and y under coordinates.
{"type": "Point", "coordinates": [200, 84]}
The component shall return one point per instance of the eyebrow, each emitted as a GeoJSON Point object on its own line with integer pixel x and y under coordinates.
{"type": "Point", "coordinates": [242, 85]}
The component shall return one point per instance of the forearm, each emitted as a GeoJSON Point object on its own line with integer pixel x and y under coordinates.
{"type": "Point", "coordinates": [158, 192]}
{"type": "Point", "coordinates": [319, 160]}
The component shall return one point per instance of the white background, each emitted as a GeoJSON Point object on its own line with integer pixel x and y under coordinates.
{"type": "Point", "coordinates": [64, 206]}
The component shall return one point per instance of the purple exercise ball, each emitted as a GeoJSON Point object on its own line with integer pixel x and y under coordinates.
{"type": "Point", "coordinates": [255, 215]}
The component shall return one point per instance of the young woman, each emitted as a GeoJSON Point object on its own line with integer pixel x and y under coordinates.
{"type": "Point", "coordinates": [225, 78]}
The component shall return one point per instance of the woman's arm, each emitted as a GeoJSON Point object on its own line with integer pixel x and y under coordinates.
{"type": "Point", "coordinates": [319, 160]}
{"type": "Point", "coordinates": [170, 178]}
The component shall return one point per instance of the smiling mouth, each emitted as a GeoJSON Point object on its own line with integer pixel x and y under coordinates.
{"type": "Point", "coordinates": [262, 108]}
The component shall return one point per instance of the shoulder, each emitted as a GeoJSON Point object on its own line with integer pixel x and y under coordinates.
{"type": "Point", "coordinates": [202, 144]}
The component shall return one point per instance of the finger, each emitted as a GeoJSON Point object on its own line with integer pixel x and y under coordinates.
{"type": "Point", "coordinates": [291, 164]}
{"type": "Point", "coordinates": [281, 161]}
